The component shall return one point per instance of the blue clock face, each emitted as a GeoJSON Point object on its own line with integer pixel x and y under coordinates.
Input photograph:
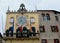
{"type": "Point", "coordinates": [22, 20]}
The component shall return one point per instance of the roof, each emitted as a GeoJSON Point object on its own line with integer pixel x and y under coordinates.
{"type": "Point", "coordinates": [39, 11]}
{"type": "Point", "coordinates": [49, 11]}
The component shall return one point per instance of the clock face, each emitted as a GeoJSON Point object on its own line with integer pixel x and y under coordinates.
{"type": "Point", "coordinates": [22, 20]}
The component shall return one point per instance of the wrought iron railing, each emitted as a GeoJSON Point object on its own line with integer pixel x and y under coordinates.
{"type": "Point", "coordinates": [22, 35]}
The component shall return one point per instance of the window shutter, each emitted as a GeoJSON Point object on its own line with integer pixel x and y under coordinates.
{"type": "Point", "coordinates": [57, 28]}
{"type": "Point", "coordinates": [56, 41]}
{"type": "Point", "coordinates": [46, 41]}
{"type": "Point", "coordinates": [43, 28]}
{"type": "Point", "coordinates": [51, 28]}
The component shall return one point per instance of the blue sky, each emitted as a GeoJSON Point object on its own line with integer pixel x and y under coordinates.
{"type": "Point", "coordinates": [30, 5]}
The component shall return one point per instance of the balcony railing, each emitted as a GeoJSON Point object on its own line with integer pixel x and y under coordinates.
{"type": "Point", "coordinates": [22, 35]}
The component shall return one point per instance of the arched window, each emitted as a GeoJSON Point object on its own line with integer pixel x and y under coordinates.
{"type": "Point", "coordinates": [11, 31]}
{"type": "Point", "coordinates": [43, 17]}
{"type": "Point", "coordinates": [33, 29]}
{"type": "Point", "coordinates": [11, 28]}
{"type": "Point", "coordinates": [11, 20]}
{"type": "Point", "coordinates": [18, 33]}
{"type": "Point", "coordinates": [18, 30]}
{"type": "Point", "coordinates": [24, 29]}
{"type": "Point", "coordinates": [48, 16]}
{"type": "Point", "coordinates": [32, 20]}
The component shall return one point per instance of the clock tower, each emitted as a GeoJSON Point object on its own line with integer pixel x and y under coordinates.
{"type": "Point", "coordinates": [22, 26]}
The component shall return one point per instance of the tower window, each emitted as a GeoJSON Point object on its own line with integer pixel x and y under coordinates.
{"type": "Point", "coordinates": [43, 41]}
{"type": "Point", "coordinates": [56, 40]}
{"type": "Point", "coordinates": [42, 29]}
{"type": "Point", "coordinates": [54, 28]}
{"type": "Point", "coordinates": [56, 18]}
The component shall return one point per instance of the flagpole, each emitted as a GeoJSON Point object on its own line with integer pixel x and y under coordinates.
{"type": "Point", "coordinates": [2, 23]}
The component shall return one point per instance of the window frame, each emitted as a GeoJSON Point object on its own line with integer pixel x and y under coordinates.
{"type": "Point", "coordinates": [32, 18]}
{"type": "Point", "coordinates": [56, 40]}
{"type": "Point", "coordinates": [43, 17]}
{"type": "Point", "coordinates": [54, 30]}
{"type": "Point", "coordinates": [48, 16]}
{"type": "Point", "coordinates": [11, 20]}
{"type": "Point", "coordinates": [44, 40]}
{"type": "Point", "coordinates": [42, 27]}
{"type": "Point", "coordinates": [56, 18]}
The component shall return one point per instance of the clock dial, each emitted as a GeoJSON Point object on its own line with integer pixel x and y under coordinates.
{"type": "Point", "coordinates": [22, 20]}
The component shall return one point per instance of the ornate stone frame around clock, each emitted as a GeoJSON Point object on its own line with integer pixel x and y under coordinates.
{"type": "Point", "coordinates": [18, 21]}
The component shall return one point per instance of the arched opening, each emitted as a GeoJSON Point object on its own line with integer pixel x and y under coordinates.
{"type": "Point", "coordinates": [11, 31]}
{"type": "Point", "coordinates": [25, 32]}
{"type": "Point", "coordinates": [33, 33]}
{"type": "Point", "coordinates": [18, 33]}
{"type": "Point", "coordinates": [7, 33]}
{"type": "Point", "coordinates": [33, 29]}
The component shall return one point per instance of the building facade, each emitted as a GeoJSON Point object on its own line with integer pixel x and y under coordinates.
{"type": "Point", "coordinates": [41, 26]}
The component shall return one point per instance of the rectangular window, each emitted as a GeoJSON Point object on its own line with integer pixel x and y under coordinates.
{"type": "Point", "coordinates": [43, 41]}
{"type": "Point", "coordinates": [42, 29]}
{"type": "Point", "coordinates": [54, 28]}
{"type": "Point", "coordinates": [56, 18]}
{"type": "Point", "coordinates": [56, 40]}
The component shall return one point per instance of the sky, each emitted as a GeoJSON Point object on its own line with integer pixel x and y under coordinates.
{"type": "Point", "coordinates": [29, 4]}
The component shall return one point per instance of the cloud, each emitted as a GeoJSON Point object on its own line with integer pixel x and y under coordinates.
{"type": "Point", "coordinates": [49, 4]}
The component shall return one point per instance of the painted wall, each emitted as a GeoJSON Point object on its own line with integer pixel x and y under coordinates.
{"type": "Point", "coordinates": [29, 15]}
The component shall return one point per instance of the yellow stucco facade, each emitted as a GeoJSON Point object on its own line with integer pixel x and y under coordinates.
{"type": "Point", "coordinates": [27, 24]}
{"type": "Point", "coordinates": [24, 40]}
{"type": "Point", "coordinates": [29, 15]}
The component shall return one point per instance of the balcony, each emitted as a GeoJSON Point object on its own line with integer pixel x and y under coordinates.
{"type": "Point", "coordinates": [22, 36]}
